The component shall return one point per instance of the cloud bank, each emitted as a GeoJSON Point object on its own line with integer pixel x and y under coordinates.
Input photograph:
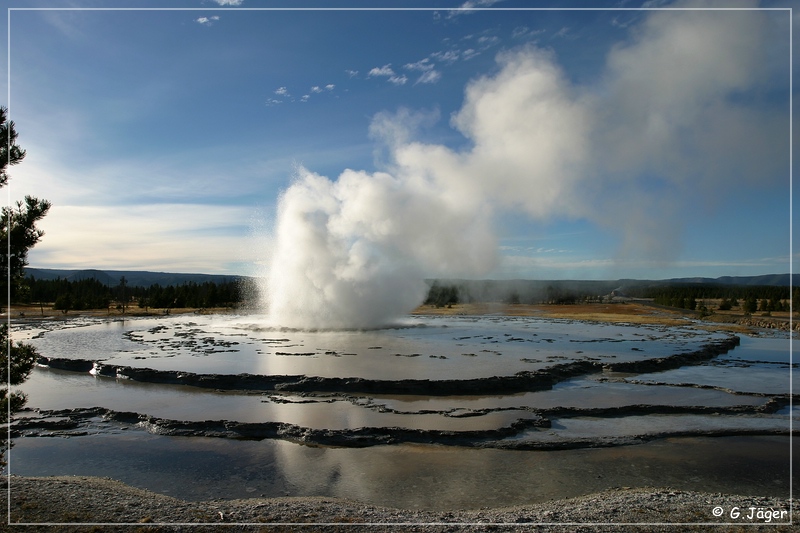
{"type": "Point", "coordinates": [680, 113]}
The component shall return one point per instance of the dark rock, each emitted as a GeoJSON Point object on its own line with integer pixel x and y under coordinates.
{"type": "Point", "coordinates": [61, 363]}
{"type": "Point", "coordinates": [519, 382]}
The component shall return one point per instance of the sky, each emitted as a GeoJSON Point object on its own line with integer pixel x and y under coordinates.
{"type": "Point", "coordinates": [503, 142]}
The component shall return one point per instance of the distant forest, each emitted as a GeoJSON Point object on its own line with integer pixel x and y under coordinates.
{"type": "Point", "coordinates": [752, 298]}
{"type": "Point", "coordinates": [90, 293]}
{"type": "Point", "coordinates": [66, 295]}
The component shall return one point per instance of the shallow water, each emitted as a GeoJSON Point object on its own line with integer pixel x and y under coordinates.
{"type": "Point", "coordinates": [56, 389]}
{"type": "Point", "coordinates": [411, 476]}
{"type": "Point", "coordinates": [758, 364]}
{"type": "Point", "coordinates": [725, 395]}
{"type": "Point", "coordinates": [429, 348]}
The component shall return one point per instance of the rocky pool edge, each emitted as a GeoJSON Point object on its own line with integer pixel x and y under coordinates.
{"type": "Point", "coordinates": [81, 503]}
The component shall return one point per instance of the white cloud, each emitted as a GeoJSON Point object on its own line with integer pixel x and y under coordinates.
{"type": "Point", "coordinates": [563, 32]}
{"type": "Point", "coordinates": [487, 41]}
{"type": "Point", "coordinates": [284, 92]}
{"type": "Point", "coordinates": [664, 131]}
{"type": "Point", "coordinates": [623, 21]}
{"type": "Point", "coordinates": [174, 176]}
{"type": "Point", "coordinates": [449, 56]}
{"type": "Point", "coordinates": [401, 127]}
{"type": "Point", "coordinates": [534, 250]}
{"type": "Point", "coordinates": [164, 237]}
{"type": "Point", "coordinates": [520, 31]}
{"type": "Point", "coordinates": [207, 21]}
{"type": "Point", "coordinates": [524, 33]}
{"type": "Point", "coordinates": [229, 2]}
{"type": "Point", "coordinates": [578, 267]}
{"type": "Point", "coordinates": [526, 130]}
{"type": "Point", "coordinates": [470, 6]}
{"type": "Point", "coordinates": [431, 76]}
{"type": "Point", "coordinates": [662, 87]}
{"type": "Point", "coordinates": [422, 65]}
{"type": "Point", "coordinates": [574, 267]}
{"type": "Point", "coordinates": [469, 53]}
{"type": "Point", "coordinates": [385, 70]}
{"type": "Point", "coordinates": [352, 73]}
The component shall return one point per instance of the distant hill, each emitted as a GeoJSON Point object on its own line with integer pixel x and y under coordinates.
{"type": "Point", "coordinates": [534, 290]}
{"type": "Point", "coordinates": [134, 278]}
{"type": "Point", "coordinates": [481, 289]}
{"type": "Point", "coordinates": [768, 279]}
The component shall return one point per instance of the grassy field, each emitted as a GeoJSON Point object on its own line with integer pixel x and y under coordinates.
{"type": "Point", "coordinates": [633, 312]}
{"type": "Point", "coordinates": [629, 312]}
{"type": "Point", "coordinates": [47, 311]}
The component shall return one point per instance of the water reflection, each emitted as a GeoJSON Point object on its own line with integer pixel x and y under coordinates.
{"type": "Point", "coordinates": [51, 389]}
{"type": "Point", "coordinates": [758, 365]}
{"type": "Point", "coordinates": [446, 348]}
{"type": "Point", "coordinates": [431, 348]}
{"type": "Point", "coordinates": [411, 476]}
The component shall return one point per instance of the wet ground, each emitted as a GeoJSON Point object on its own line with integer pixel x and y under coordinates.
{"type": "Point", "coordinates": [519, 407]}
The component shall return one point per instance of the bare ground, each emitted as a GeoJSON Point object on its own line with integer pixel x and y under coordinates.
{"type": "Point", "coordinates": [99, 504]}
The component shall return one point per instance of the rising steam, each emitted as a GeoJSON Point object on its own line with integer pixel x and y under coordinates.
{"type": "Point", "coordinates": [354, 252]}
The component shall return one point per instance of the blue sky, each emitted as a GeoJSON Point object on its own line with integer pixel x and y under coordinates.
{"type": "Point", "coordinates": [652, 144]}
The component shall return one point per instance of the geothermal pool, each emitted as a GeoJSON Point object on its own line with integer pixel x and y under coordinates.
{"type": "Point", "coordinates": [436, 412]}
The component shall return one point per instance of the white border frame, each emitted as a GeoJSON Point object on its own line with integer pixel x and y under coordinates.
{"type": "Point", "coordinates": [390, 524]}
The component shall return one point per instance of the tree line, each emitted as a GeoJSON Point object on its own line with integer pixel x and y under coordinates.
{"type": "Point", "coordinates": [446, 294]}
{"type": "Point", "coordinates": [67, 295]}
{"type": "Point", "coordinates": [763, 298]}
{"type": "Point", "coordinates": [752, 298]}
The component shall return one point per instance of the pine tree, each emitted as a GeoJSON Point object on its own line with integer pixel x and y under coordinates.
{"type": "Point", "coordinates": [750, 304]}
{"type": "Point", "coordinates": [18, 233]}
{"type": "Point", "coordinates": [16, 364]}
{"type": "Point", "coordinates": [18, 230]}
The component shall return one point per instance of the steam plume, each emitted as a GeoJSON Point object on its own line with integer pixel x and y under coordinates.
{"type": "Point", "coordinates": [664, 123]}
{"type": "Point", "coordinates": [355, 252]}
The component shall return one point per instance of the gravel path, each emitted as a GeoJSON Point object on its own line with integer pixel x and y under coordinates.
{"type": "Point", "coordinates": [100, 503]}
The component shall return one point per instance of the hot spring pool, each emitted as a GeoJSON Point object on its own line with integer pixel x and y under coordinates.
{"type": "Point", "coordinates": [348, 413]}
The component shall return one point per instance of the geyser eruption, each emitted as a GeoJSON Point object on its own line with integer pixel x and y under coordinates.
{"type": "Point", "coordinates": [354, 253]}
{"type": "Point", "coordinates": [635, 150]}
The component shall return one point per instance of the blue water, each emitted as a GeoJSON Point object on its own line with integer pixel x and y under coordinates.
{"type": "Point", "coordinates": [406, 475]}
